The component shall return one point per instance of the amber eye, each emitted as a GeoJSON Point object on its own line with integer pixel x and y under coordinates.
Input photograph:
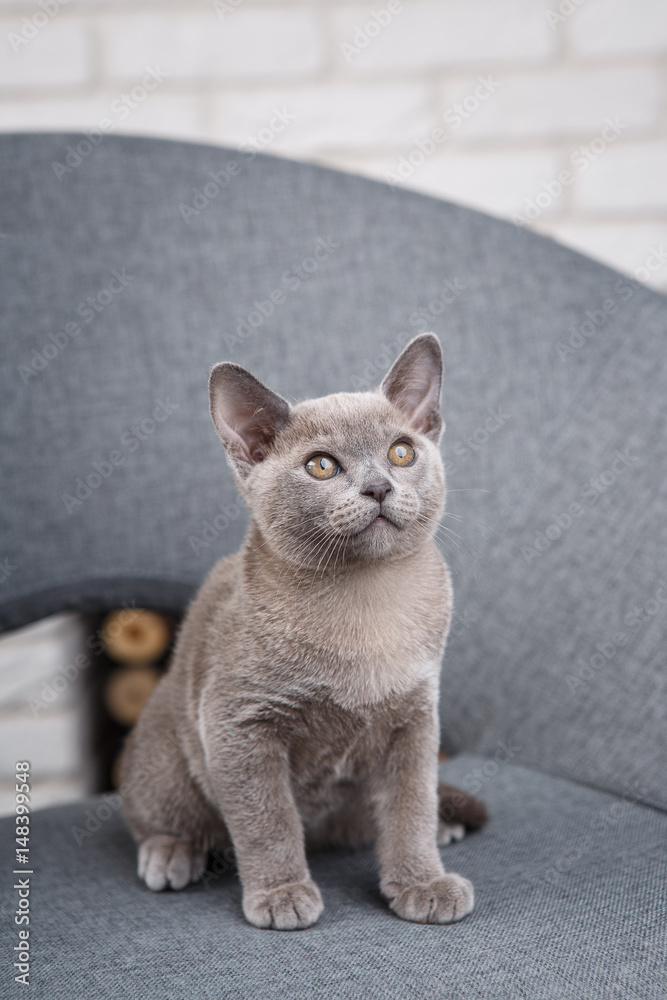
{"type": "Point", "coordinates": [401, 453]}
{"type": "Point", "coordinates": [322, 467]}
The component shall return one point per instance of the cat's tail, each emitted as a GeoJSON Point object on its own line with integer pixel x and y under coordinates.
{"type": "Point", "coordinates": [456, 806]}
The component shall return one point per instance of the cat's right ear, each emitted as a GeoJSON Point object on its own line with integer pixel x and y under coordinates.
{"type": "Point", "coordinates": [246, 413]}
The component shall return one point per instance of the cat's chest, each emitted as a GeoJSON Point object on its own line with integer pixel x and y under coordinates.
{"type": "Point", "coordinates": [369, 641]}
{"type": "Point", "coordinates": [329, 744]}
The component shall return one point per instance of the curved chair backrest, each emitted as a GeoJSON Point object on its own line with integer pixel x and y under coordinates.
{"type": "Point", "coordinates": [128, 272]}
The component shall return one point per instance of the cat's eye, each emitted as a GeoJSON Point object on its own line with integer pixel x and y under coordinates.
{"type": "Point", "coordinates": [401, 453]}
{"type": "Point", "coordinates": [322, 467]}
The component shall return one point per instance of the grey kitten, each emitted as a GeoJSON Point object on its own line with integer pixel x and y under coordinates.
{"type": "Point", "coordinates": [300, 708]}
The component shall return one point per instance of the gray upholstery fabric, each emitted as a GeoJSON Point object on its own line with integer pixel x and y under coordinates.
{"type": "Point", "coordinates": [554, 397]}
{"type": "Point", "coordinates": [571, 903]}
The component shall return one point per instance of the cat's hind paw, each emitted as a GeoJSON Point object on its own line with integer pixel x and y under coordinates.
{"type": "Point", "coordinates": [166, 861]}
{"type": "Point", "coordinates": [458, 807]}
{"type": "Point", "coordinates": [450, 833]}
{"type": "Point", "coordinates": [287, 907]}
{"type": "Point", "coordinates": [441, 901]}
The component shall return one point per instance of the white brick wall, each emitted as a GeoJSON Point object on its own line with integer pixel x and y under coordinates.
{"type": "Point", "coordinates": [368, 84]}
{"type": "Point", "coordinates": [364, 87]}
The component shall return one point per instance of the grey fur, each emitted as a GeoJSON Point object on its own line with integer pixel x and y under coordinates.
{"type": "Point", "coordinates": [300, 708]}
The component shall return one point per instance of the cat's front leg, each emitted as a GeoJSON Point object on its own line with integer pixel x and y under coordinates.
{"type": "Point", "coordinates": [405, 802]}
{"type": "Point", "coordinates": [249, 772]}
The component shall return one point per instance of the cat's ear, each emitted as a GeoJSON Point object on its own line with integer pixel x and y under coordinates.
{"type": "Point", "coordinates": [414, 382]}
{"type": "Point", "coordinates": [246, 413]}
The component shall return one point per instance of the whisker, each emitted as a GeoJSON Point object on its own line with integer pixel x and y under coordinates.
{"type": "Point", "coordinates": [471, 489]}
{"type": "Point", "coordinates": [451, 536]}
{"type": "Point", "coordinates": [479, 524]}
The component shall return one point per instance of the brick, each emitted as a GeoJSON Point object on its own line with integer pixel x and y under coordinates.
{"type": "Point", "coordinates": [628, 247]}
{"type": "Point", "coordinates": [604, 28]}
{"type": "Point", "coordinates": [327, 116]}
{"type": "Point", "coordinates": [631, 178]}
{"type": "Point", "coordinates": [425, 36]}
{"type": "Point", "coordinates": [246, 44]}
{"type": "Point", "coordinates": [561, 103]}
{"type": "Point", "coordinates": [58, 54]}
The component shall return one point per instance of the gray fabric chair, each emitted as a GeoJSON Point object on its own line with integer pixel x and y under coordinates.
{"type": "Point", "coordinates": [128, 269]}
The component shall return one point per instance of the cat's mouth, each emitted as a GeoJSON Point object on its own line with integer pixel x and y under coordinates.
{"type": "Point", "coordinates": [378, 522]}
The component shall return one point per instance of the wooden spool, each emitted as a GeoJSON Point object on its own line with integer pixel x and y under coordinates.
{"type": "Point", "coordinates": [128, 690]}
{"type": "Point", "coordinates": [134, 635]}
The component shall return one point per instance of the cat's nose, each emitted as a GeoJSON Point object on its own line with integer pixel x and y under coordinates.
{"type": "Point", "coordinates": [378, 489]}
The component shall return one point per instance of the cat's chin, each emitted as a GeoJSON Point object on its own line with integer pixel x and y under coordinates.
{"type": "Point", "coordinates": [380, 538]}
{"type": "Point", "coordinates": [377, 535]}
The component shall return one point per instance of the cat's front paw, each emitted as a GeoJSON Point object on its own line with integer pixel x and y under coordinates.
{"type": "Point", "coordinates": [287, 907]}
{"type": "Point", "coordinates": [441, 901]}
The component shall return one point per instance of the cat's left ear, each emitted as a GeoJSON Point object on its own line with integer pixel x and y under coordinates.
{"type": "Point", "coordinates": [414, 383]}
{"type": "Point", "coordinates": [246, 413]}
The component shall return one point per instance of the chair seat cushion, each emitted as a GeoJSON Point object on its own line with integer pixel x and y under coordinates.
{"type": "Point", "coordinates": [570, 903]}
